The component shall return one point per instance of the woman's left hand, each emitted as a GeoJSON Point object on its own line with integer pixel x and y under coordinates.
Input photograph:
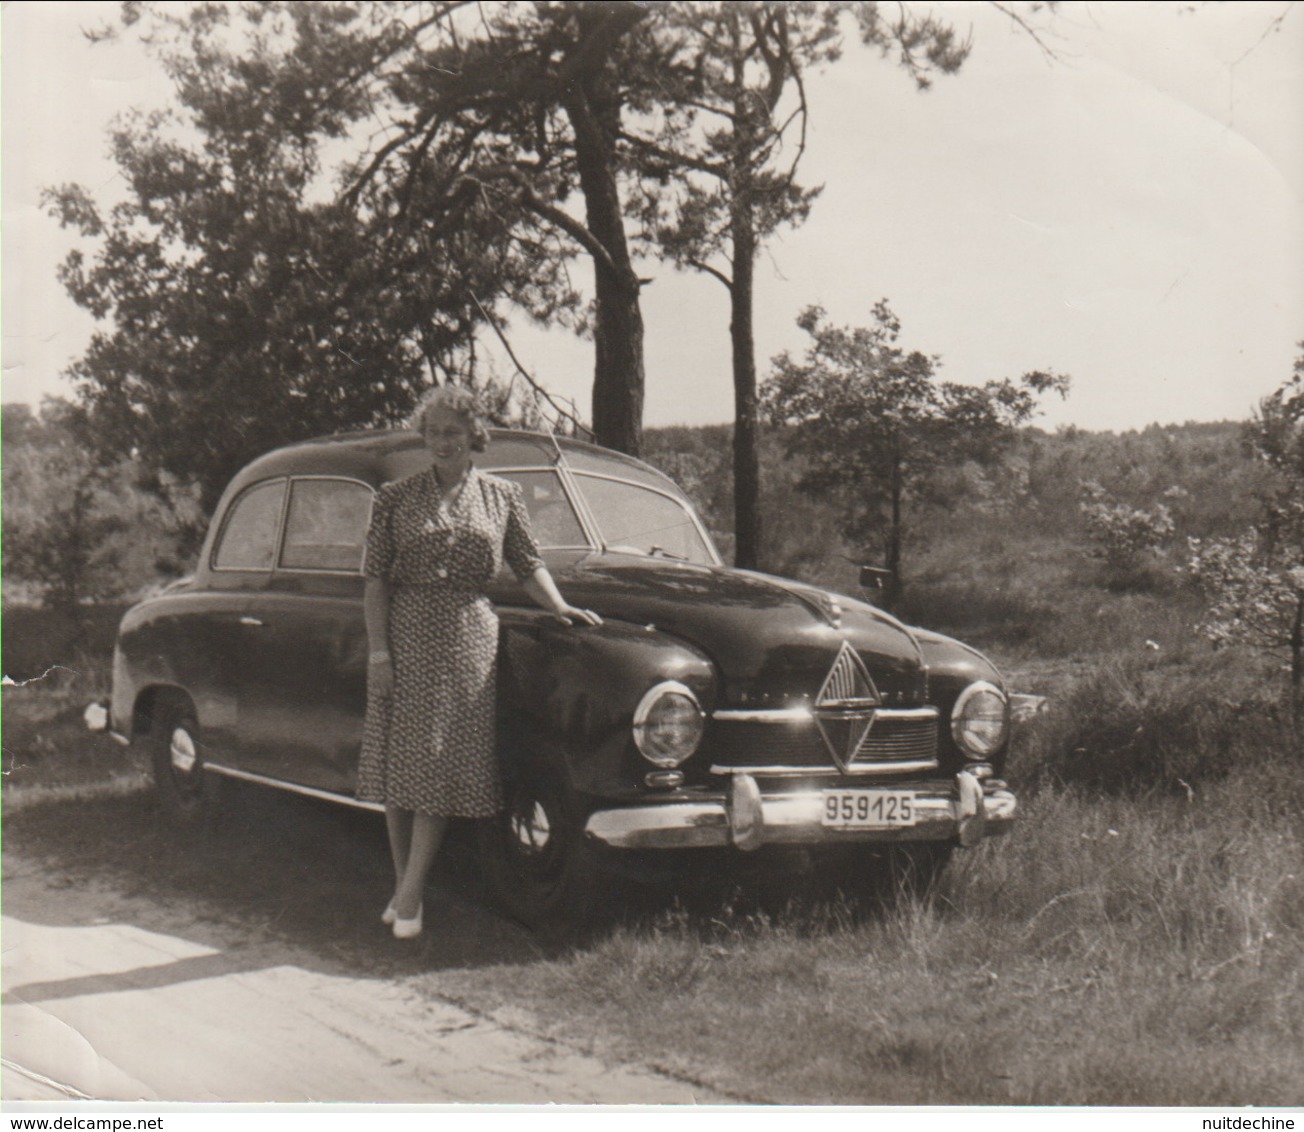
{"type": "Point", "coordinates": [570, 615]}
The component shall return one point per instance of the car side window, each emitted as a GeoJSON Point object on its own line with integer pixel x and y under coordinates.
{"type": "Point", "coordinates": [326, 527]}
{"type": "Point", "coordinates": [552, 518]}
{"type": "Point", "coordinates": [248, 540]}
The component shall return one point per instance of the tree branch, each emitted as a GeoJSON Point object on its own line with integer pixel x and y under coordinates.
{"type": "Point", "coordinates": [701, 265]}
{"type": "Point", "coordinates": [1012, 14]}
{"type": "Point", "coordinates": [673, 159]}
{"type": "Point", "coordinates": [520, 369]}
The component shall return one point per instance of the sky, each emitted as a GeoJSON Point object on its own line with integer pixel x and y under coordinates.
{"type": "Point", "coordinates": [1128, 210]}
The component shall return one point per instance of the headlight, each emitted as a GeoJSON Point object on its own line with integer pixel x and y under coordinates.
{"type": "Point", "coordinates": [668, 724]}
{"type": "Point", "coordinates": [980, 720]}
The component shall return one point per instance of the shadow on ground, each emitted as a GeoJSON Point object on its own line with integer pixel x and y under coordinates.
{"type": "Point", "coordinates": [272, 866]}
{"type": "Point", "coordinates": [276, 866]}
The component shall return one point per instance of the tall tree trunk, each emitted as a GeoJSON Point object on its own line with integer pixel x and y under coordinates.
{"type": "Point", "coordinates": [1297, 673]}
{"type": "Point", "coordinates": [746, 459]}
{"type": "Point", "coordinates": [618, 374]}
{"type": "Point", "coordinates": [892, 591]}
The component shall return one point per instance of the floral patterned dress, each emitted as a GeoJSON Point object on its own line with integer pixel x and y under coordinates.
{"type": "Point", "coordinates": [430, 745]}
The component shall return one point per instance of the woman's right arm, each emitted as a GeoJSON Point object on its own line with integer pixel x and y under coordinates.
{"type": "Point", "coordinates": [375, 611]}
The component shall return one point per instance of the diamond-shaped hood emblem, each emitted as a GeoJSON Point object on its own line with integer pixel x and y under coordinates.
{"type": "Point", "coordinates": [846, 706]}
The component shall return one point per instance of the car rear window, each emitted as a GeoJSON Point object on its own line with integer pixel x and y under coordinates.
{"type": "Point", "coordinates": [248, 539]}
{"type": "Point", "coordinates": [326, 527]}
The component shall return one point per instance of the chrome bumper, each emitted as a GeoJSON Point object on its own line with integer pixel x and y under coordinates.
{"type": "Point", "coordinates": [965, 810]}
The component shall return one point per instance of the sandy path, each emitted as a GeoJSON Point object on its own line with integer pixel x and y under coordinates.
{"type": "Point", "coordinates": [99, 1003]}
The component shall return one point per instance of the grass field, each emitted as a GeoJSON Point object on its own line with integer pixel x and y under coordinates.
{"type": "Point", "coordinates": [1138, 939]}
{"type": "Point", "coordinates": [1136, 943]}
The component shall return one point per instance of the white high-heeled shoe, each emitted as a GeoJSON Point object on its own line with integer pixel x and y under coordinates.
{"type": "Point", "coordinates": [389, 915]}
{"type": "Point", "coordinates": [408, 929]}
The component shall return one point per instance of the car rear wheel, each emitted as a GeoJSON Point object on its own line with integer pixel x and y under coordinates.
{"type": "Point", "coordinates": [535, 857]}
{"type": "Point", "coordinates": [187, 793]}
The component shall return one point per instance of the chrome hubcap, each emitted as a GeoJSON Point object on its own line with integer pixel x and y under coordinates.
{"type": "Point", "coordinates": [532, 830]}
{"type": "Point", "coordinates": [182, 751]}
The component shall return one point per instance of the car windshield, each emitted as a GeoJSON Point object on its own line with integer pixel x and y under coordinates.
{"type": "Point", "coordinates": [641, 520]}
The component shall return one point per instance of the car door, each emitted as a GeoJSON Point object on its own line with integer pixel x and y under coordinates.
{"type": "Point", "coordinates": [208, 639]}
{"type": "Point", "coordinates": [303, 683]}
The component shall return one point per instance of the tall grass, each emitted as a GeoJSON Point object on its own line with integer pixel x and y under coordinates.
{"type": "Point", "coordinates": [1160, 721]}
{"type": "Point", "coordinates": [1125, 951]}
{"type": "Point", "coordinates": [1137, 939]}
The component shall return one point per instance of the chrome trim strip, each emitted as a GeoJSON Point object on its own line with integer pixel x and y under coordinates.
{"type": "Point", "coordinates": [675, 825]}
{"type": "Point", "coordinates": [500, 469]}
{"type": "Point", "coordinates": [886, 767]}
{"type": "Point", "coordinates": [293, 788]}
{"type": "Point", "coordinates": [765, 715]}
{"type": "Point", "coordinates": [801, 714]}
{"type": "Point", "coordinates": [580, 505]}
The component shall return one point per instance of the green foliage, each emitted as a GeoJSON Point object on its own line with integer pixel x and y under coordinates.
{"type": "Point", "coordinates": [75, 530]}
{"type": "Point", "coordinates": [877, 430]}
{"type": "Point", "coordinates": [1149, 720]}
{"type": "Point", "coordinates": [1255, 592]}
{"type": "Point", "coordinates": [1126, 539]}
{"type": "Point", "coordinates": [253, 301]}
{"type": "Point", "coordinates": [1252, 598]}
{"type": "Point", "coordinates": [1255, 581]}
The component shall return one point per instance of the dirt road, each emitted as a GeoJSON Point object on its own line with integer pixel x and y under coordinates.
{"type": "Point", "coordinates": [110, 994]}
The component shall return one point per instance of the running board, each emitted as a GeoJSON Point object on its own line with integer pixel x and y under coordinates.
{"type": "Point", "coordinates": [306, 791]}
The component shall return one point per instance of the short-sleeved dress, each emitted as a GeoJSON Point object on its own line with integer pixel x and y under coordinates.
{"type": "Point", "coordinates": [430, 745]}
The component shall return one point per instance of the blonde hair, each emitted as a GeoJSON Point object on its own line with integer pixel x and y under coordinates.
{"type": "Point", "coordinates": [462, 403]}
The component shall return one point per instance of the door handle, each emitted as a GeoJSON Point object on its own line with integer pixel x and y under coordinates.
{"type": "Point", "coordinates": [254, 621]}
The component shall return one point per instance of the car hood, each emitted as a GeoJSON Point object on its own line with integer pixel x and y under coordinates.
{"type": "Point", "coordinates": [773, 640]}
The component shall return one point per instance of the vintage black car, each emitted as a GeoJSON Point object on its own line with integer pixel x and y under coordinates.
{"type": "Point", "coordinates": [713, 710]}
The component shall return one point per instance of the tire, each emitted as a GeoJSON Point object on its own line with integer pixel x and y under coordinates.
{"type": "Point", "coordinates": [537, 862]}
{"type": "Point", "coordinates": [187, 793]}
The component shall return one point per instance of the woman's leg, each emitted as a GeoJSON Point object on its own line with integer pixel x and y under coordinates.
{"type": "Point", "coordinates": [427, 835]}
{"type": "Point", "coordinates": [398, 824]}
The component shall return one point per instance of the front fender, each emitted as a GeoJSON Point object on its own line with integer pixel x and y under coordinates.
{"type": "Point", "coordinates": [952, 667]}
{"type": "Point", "coordinates": [569, 693]}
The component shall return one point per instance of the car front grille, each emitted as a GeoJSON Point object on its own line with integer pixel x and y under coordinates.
{"type": "Point", "coordinates": [753, 744]}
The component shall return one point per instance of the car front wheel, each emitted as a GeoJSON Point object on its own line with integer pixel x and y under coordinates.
{"type": "Point", "coordinates": [535, 857]}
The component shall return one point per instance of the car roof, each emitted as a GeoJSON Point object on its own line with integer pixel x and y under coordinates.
{"type": "Point", "coordinates": [378, 456]}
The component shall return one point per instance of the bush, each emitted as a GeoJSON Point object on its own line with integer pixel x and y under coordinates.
{"type": "Point", "coordinates": [1126, 539]}
{"type": "Point", "coordinates": [35, 639]}
{"type": "Point", "coordinates": [1142, 723]}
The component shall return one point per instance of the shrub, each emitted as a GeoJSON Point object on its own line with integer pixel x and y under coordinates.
{"type": "Point", "coordinates": [1140, 723]}
{"type": "Point", "coordinates": [1127, 539]}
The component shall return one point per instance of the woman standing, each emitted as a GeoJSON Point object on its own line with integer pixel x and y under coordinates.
{"type": "Point", "coordinates": [436, 541]}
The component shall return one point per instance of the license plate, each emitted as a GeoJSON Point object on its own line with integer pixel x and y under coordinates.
{"type": "Point", "coordinates": [869, 809]}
